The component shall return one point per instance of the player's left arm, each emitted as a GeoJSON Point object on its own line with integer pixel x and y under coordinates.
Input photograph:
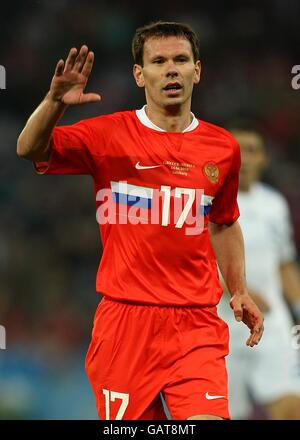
{"type": "Point", "coordinates": [290, 277]}
{"type": "Point", "coordinates": [228, 244]}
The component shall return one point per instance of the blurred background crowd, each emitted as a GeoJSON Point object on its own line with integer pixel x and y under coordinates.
{"type": "Point", "coordinates": [49, 241]}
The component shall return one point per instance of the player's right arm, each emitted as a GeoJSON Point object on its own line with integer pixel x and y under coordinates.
{"type": "Point", "coordinates": [67, 88]}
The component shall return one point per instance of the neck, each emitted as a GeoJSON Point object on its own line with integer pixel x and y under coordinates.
{"type": "Point", "coordinates": [170, 119]}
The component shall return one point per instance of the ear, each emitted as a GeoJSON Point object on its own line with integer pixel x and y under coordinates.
{"type": "Point", "coordinates": [197, 74]}
{"type": "Point", "coordinates": [138, 75]}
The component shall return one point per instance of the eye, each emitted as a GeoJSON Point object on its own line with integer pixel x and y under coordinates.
{"type": "Point", "coordinates": [158, 61]}
{"type": "Point", "coordinates": [182, 59]}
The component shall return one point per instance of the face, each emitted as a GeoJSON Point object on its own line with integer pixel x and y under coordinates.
{"type": "Point", "coordinates": [253, 157]}
{"type": "Point", "coordinates": [169, 72]}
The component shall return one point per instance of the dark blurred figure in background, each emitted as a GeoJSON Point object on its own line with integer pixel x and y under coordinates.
{"type": "Point", "coordinates": [270, 374]}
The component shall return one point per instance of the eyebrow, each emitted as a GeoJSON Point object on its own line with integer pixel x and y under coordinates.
{"type": "Point", "coordinates": [180, 55]}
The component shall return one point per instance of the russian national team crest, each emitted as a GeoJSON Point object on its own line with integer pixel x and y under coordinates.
{"type": "Point", "coordinates": [211, 171]}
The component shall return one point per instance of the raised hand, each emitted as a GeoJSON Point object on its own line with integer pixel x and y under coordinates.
{"type": "Point", "coordinates": [245, 309]}
{"type": "Point", "coordinates": [70, 78]}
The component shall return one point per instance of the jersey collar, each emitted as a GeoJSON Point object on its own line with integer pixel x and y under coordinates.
{"type": "Point", "coordinates": [142, 115]}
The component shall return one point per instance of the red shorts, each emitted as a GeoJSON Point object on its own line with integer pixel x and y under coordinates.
{"type": "Point", "coordinates": [139, 351]}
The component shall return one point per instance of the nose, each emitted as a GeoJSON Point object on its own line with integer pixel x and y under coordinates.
{"type": "Point", "coordinates": [171, 70]}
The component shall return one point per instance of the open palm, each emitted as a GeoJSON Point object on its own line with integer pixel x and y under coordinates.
{"type": "Point", "coordinates": [70, 78]}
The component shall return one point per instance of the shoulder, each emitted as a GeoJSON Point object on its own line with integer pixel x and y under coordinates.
{"type": "Point", "coordinates": [219, 137]}
{"type": "Point", "coordinates": [111, 120]}
{"type": "Point", "coordinates": [216, 131]}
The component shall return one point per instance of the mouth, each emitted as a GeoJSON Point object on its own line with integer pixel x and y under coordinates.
{"type": "Point", "coordinates": [172, 88]}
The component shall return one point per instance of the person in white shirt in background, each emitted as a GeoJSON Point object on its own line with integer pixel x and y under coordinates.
{"type": "Point", "coordinates": [270, 373]}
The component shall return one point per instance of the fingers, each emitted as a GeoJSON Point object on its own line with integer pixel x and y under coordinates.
{"type": "Point", "coordinates": [59, 68]}
{"type": "Point", "coordinates": [81, 62]}
{"type": "Point", "coordinates": [71, 59]}
{"type": "Point", "coordinates": [237, 308]}
{"type": "Point", "coordinates": [89, 97]}
{"type": "Point", "coordinates": [238, 313]}
{"type": "Point", "coordinates": [88, 65]}
{"type": "Point", "coordinates": [246, 310]}
{"type": "Point", "coordinates": [256, 335]}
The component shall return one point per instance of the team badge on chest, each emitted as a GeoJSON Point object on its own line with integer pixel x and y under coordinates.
{"type": "Point", "coordinates": [211, 171]}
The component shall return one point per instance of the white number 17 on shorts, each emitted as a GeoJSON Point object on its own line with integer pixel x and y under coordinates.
{"type": "Point", "coordinates": [111, 396]}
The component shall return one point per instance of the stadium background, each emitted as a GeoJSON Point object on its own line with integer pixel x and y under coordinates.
{"type": "Point", "coordinates": [49, 243]}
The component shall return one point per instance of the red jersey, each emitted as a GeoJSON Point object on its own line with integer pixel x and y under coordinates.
{"type": "Point", "coordinates": [155, 193]}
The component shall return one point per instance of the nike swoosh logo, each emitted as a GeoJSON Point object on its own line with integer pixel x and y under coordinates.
{"type": "Point", "coordinates": [145, 167]}
{"type": "Point", "coordinates": [210, 397]}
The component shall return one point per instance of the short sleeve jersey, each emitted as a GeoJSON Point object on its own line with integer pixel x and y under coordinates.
{"type": "Point", "coordinates": [155, 193]}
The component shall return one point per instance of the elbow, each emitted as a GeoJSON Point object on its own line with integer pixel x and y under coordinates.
{"type": "Point", "coordinates": [29, 153]}
{"type": "Point", "coordinates": [20, 153]}
{"type": "Point", "coordinates": [21, 149]}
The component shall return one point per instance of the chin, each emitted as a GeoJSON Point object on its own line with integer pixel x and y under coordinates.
{"type": "Point", "coordinates": [173, 101]}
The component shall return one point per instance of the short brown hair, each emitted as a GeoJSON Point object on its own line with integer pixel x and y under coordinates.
{"type": "Point", "coordinates": [162, 29]}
